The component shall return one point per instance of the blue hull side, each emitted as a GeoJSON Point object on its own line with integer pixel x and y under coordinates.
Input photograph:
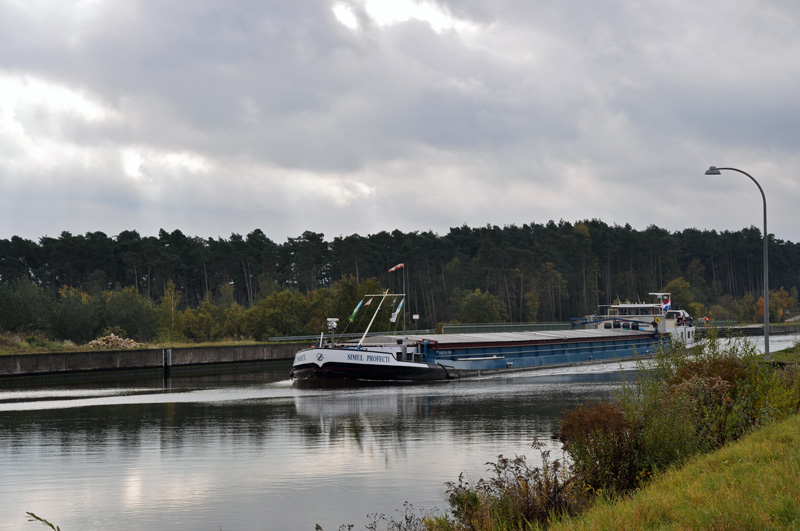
{"type": "Point", "coordinates": [543, 355]}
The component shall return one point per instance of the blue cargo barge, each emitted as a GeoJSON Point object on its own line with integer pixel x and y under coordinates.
{"type": "Point", "coordinates": [413, 357]}
{"type": "Point", "coordinates": [444, 356]}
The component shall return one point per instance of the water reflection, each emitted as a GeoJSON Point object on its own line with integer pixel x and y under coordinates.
{"type": "Point", "coordinates": [249, 450]}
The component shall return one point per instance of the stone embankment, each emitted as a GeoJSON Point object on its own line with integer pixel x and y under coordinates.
{"type": "Point", "coordinates": [156, 358]}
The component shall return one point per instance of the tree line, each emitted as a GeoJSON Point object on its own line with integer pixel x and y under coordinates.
{"type": "Point", "coordinates": [176, 286]}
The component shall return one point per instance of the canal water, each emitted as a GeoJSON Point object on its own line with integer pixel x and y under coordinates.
{"type": "Point", "coordinates": [250, 451]}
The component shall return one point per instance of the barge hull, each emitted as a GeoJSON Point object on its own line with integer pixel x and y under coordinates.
{"type": "Point", "coordinates": [445, 357]}
{"type": "Point", "coordinates": [349, 371]}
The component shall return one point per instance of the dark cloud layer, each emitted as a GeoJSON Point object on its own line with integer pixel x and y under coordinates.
{"type": "Point", "coordinates": [357, 116]}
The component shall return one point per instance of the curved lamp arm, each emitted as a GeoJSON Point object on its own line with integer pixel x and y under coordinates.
{"type": "Point", "coordinates": [713, 170]}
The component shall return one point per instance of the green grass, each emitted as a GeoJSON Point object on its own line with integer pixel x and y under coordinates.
{"type": "Point", "coordinates": [789, 355]}
{"type": "Point", "coordinates": [32, 344]}
{"type": "Point", "coordinates": [11, 343]}
{"type": "Point", "coordinates": [750, 484]}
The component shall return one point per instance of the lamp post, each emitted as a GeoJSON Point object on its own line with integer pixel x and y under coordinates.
{"type": "Point", "coordinates": [713, 170]}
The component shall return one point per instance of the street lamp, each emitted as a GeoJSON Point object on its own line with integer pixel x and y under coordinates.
{"type": "Point", "coordinates": [713, 170]}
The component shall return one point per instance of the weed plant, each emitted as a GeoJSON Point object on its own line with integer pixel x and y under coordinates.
{"type": "Point", "coordinates": [516, 496]}
{"type": "Point", "coordinates": [33, 518]}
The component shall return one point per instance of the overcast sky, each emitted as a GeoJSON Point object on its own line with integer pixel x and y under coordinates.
{"type": "Point", "coordinates": [355, 116]}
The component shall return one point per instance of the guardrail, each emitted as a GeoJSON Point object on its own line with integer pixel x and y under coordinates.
{"type": "Point", "coordinates": [713, 323]}
{"type": "Point", "coordinates": [702, 331]}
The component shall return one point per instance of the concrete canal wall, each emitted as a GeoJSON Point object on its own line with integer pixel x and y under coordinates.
{"type": "Point", "coordinates": [115, 360]}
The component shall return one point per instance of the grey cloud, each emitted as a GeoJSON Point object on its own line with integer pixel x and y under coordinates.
{"type": "Point", "coordinates": [632, 98]}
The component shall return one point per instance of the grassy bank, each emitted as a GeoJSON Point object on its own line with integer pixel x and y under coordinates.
{"type": "Point", "coordinates": [36, 344]}
{"type": "Point", "coordinates": [11, 343]}
{"type": "Point", "coordinates": [750, 484]}
{"type": "Point", "coordinates": [789, 355]}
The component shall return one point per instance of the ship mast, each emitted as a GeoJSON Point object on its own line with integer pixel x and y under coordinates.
{"type": "Point", "coordinates": [374, 315]}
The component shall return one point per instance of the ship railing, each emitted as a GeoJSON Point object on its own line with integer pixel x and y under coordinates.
{"type": "Point", "coordinates": [294, 339]}
{"type": "Point", "coordinates": [583, 321]}
{"type": "Point", "coordinates": [486, 328]}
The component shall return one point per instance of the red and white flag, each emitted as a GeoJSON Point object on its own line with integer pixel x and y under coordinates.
{"type": "Point", "coordinates": [395, 268]}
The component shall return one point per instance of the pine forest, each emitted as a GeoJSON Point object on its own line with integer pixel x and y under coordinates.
{"type": "Point", "coordinates": [183, 288]}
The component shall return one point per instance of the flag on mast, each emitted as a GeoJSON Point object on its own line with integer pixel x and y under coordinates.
{"type": "Point", "coordinates": [397, 311]}
{"type": "Point", "coordinates": [395, 268]}
{"type": "Point", "coordinates": [358, 307]}
{"type": "Point", "coordinates": [369, 302]}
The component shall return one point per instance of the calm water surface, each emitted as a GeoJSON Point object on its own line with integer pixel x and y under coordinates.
{"type": "Point", "coordinates": [250, 451]}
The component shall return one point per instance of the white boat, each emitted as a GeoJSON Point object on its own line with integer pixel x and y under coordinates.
{"type": "Point", "coordinates": [657, 316]}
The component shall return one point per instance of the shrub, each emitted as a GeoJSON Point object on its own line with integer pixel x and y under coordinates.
{"type": "Point", "coordinates": [602, 443]}
{"type": "Point", "coordinates": [517, 495]}
{"type": "Point", "coordinates": [684, 404]}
